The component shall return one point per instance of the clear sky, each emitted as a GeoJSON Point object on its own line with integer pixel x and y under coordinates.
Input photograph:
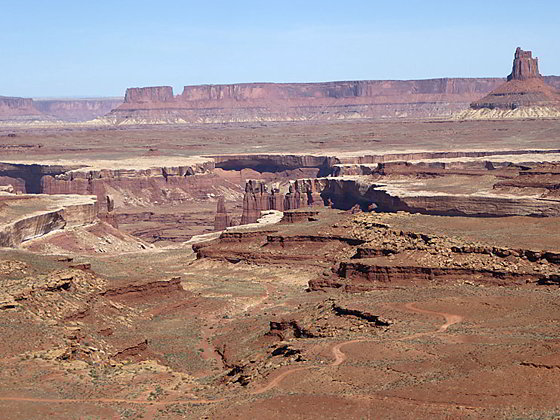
{"type": "Point", "coordinates": [100, 47]}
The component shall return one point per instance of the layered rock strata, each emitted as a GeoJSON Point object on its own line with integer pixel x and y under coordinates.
{"type": "Point", "coordinates": [152, 184]}
{"type": "Point", "coordinates": [300, 101]}
{"type": "Point", "coordinates": [364, 252]}
{"type": "Point", "coordinates": [525, 92]}
{"type": "Point", "coordinates": [252, 102]}
{"type": "Point", "coordinates": [535, 195]}
{"type": "Point", "coordinates": [18, 109]}
{"type": "Point", "coordinates": [26, 217]}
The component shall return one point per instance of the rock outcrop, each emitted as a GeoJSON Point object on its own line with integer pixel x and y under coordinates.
{"type": "Point", "coordinates": [258, 198]}
{"type": "Point", "coordinates": [221, 220]}
{"type": "Point", "coordinates": [148, 95]}
{"type": "Point", "coordinates": [524, 66]}
{"type": "Point", "coordinates": [163, 184]}
{"type": "Point", "coordinates": [42, 215]}
{"type": "Point", "coordinates": [535, 195]}
{"type": "Point", "coordinates": [525, 88]}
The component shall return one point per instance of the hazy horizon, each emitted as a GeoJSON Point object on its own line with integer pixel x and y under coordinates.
{"type": "Point", "coordinates": [63, 49]}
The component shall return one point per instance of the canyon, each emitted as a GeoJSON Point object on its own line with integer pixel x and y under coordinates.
{"type": "Point", "coordinates": [276, 258]}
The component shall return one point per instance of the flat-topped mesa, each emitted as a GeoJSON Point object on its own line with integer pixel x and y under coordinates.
{"type": "Point", "coordinates": [15, 103]}
{"type": "Point", "coordinates": [524, 66]}
{"type": "Point", "coordinates": [18, 109]}
{"type": "Point", "coordinates": [149, 94]}
{"type": "Point", "coordinates": [257, 102]}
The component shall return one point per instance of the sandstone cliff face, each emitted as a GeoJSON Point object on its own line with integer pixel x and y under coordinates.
{"type": "Point", "coordinates": [17, 184]}
{"type": "Point", "coordinates": [356, 192]}
{"type": "Point", "coordinates": [258, 198]}
{"type": "Point", "coordinates": [71, 212]}
{"type": "Point", "coordinates": [30, 227]}
{"type": "Point", "coordinates": [524, 66]}
{"type": "Point", "coordinates": [30, 174]}
{"type": "Point", "coordinates": [134, 186]}
{"type": "Point", "coordinates": [148, 95]}
{"type": "Point", "coordinates": [20, 109]}
{"type": "Point", "coordinates": [333, 90]}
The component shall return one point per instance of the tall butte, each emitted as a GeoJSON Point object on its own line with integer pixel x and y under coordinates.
{"type": "Point", "coordinates": [525, 88]}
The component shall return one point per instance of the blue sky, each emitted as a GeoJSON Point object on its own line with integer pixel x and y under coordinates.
{"type": "Point", "coordinates": [99, 48]}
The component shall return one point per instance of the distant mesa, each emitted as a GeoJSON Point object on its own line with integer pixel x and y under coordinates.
{"type": "Point", "coordinates": [19, 109]}
{"type": "Point", "coordinates": [29, 111]}
{"type": "Point", "coordinates": [524, 88]}
{"type": "Point", "coordinates": [365, 99]}
{"type": "Point", "coordinates": [523, 94]}
{"type": "Point", "coordinates": [262, 102]}
{"type": "Point", "coordinates": [148, 95]}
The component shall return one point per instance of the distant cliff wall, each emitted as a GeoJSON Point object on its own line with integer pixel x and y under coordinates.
{"type": "Point", "coordinates": [254, 102]}
{"type": "Point", "coordinates": [76, 110]}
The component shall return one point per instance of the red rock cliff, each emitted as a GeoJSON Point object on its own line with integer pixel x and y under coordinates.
{"type": "Point", "coordinates": [524, 66]}
{"type": "Point", "coordinates": [149, 94]}
{"type": "Point", "coordinates": [18, 108]}
{"type": "Point", "coordinates": [301, 101]}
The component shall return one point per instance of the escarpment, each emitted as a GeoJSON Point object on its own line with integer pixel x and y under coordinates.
{"type": "Point", "coordinates": [19, 109]}
{"type": "Point", "coordinates": [363, 252]}
{"type": "Point", "coordinates": [300, 101]}
{"type": "Point", "coordinates": [156, 183]}
{"type": "Point", "coordinates": [29, 111]}
{"type": "Point", "coordinates": [492, 184]}
{"type": "Point", "coordinates": [27, 217]}
{"type": "Point", "coordinates": [256, 102]}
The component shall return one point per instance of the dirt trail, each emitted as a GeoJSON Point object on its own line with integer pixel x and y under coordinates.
{"type": "Point", "coordinates": [450, 319]}
{"type": "Point", "coordinates": [338, 354]}
{"type": "Point", "coordinates": [276, 381]}
{"type": "Point", "coordinates": [110, 400]}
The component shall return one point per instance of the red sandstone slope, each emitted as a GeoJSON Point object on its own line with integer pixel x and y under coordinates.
{"type": "Point", "coordinates": [525, 87]}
